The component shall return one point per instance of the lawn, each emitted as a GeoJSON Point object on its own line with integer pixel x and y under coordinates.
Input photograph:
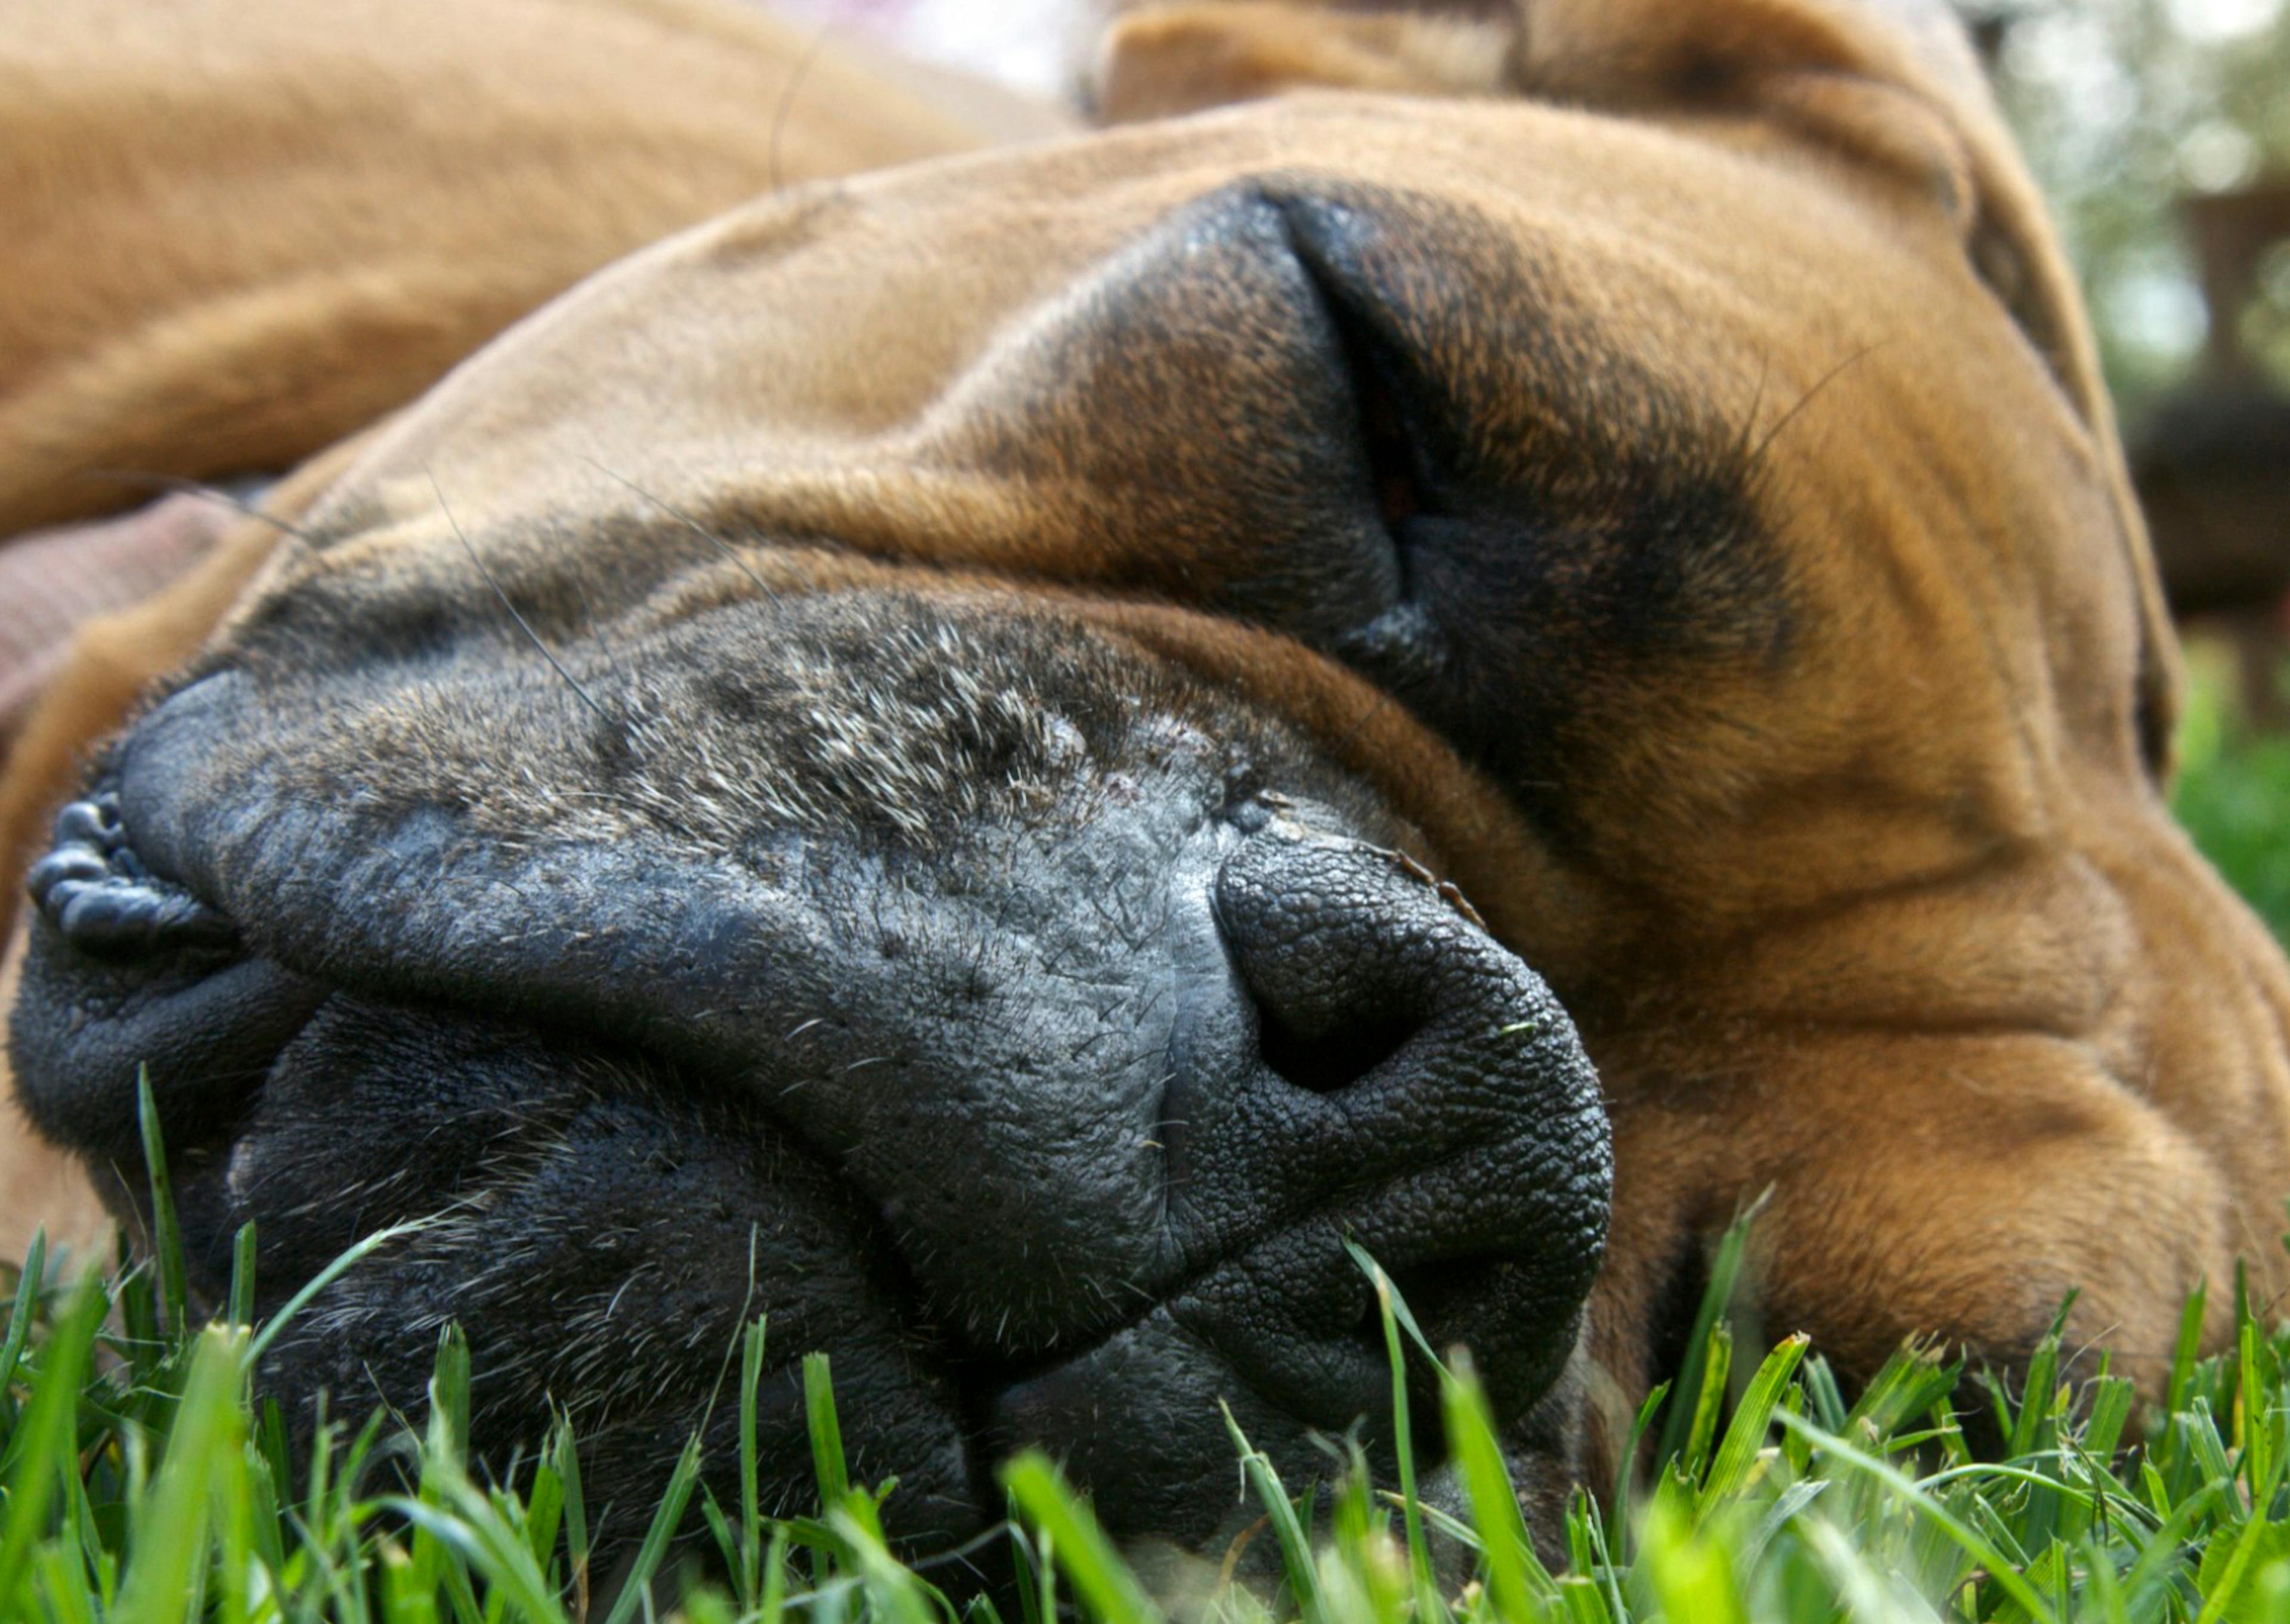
{"type": "Point", "coordinates": [144, 1482]}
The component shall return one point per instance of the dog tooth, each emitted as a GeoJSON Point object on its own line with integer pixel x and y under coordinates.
{"type": "Point", "coordinates": [92, 823]}
{"type": "Point", "coordinates": [71, 862]}
{"type": "Point", "coordinates": [61, 895]}
{"type": "Point", "coordinates": [108, 915]}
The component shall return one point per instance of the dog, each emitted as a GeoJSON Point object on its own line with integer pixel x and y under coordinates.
{"type": "Point", "coordinates": [1482, 631]}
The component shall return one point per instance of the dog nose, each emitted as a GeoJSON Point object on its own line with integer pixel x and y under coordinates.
{"type": "Point", "coordinates": [1412, 1088]}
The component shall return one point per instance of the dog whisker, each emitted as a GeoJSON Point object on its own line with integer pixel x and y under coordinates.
{"type": "Point", "coordinates": [176, 485]}
{"type": "Point", "coordinates": [1757, 453]}
{"type": "Point", "coordinates": [547, 653]}
{"type": "Point", "coordinates": [691, 525]}
{"type": "Point", "coordinates": [796, 76]}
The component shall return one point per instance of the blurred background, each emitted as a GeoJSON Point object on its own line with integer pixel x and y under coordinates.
{"type": "Point", "coordinates": [2161, 130]}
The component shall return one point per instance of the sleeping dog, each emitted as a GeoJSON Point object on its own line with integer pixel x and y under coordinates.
{"type": "Point", "coordinates": [1480, 630]}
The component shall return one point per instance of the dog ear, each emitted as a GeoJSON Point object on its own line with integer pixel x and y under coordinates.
{"type": "Point", "coordinates": [1892, 83]}
{"type": "Point", "coordinates": [1157, 60]}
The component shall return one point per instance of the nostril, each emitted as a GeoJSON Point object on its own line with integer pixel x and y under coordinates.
{"type": "Point", "coordinates": [1324, 1058]}
{"type": "Point", "coordinates": [1342, 963]}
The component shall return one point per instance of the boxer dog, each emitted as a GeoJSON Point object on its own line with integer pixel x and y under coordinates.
{"type": "Point", "coordinates": [1480, 629]}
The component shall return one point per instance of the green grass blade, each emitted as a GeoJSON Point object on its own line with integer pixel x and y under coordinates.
{"type": "Point", "coordinates": [720, 1530]}
{"type": "Point", "coordinates": [772, 1608]}
{"type": "Point", "coordinates": [826, 1458]}
{"type": "Point", "coordinates": [895, 1595]}
{"type": "Point", "coordinates": [1634, 1445]}
{"type": "Point", "coordinates": [449, 1400]}
{"type": "Point", "coordinates": [174, 1294]}
{"type": "Point", "coordinates": [1910, 1382]}
{"type": "Point", "coordinates": [1717, 1370]}
{"type": "Point", "coordinates": [2000, 1569]}
{"type": "Point", "coordinates": [564, 1456]}
{"type": "Point", "coordinates": [1690, 1574]}
{"type": "Point", "coordinates": [242, 1275]}
{"type": "Point", "coordinates": [1584, 1602]}
{"type": "Point", "coordinates": [1516, 1580]}
{"type": "Point", "coordinates": [1403, 1434]}
{"type": "Point", "coordinates": [326, 1277]}
{"type": "Point", "coordinates": [637, 1591]}
{"type": "Point", "coordinates": [45, 1447]}
{"type": "Point", "coordinates": [1745, 1436]}
{"type": "Point", "coordinates": [453, 1512]}
{"type": "Point", "coordinates": [29, 1283]}
{"type": "Point", "coordinates": [1295, 1547]}
{"type": "Point", "coordinates": [1725, 1274]}
{"type": "Point", "coordinates": [2031, 1429]}
{"type": "Point", "coordinates": [167, 1569]}
{"type": "Point", "coordinates": [63, 1587]}
{"type": "Point", "coordinates": [2253, 1412]}
{"type": "Point", "coordinates": [2187, 1350]}
{"type": "Point", "coordinates": [747, 1571]}
{"type": "Point", "coordinates": [2219, 1592]}
{"type": "Point", "coordinates": [1078, 1546]}
{"type": "Point", "coordinates": [544, 1513]}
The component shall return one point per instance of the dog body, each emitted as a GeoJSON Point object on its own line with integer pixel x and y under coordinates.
{"type": "Point", "coordinates": [1641, 465]}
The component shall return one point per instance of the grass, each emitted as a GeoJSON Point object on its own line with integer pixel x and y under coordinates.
{"type": "Point", "coordinates": [2234, 785]}
{"type": "Point", "coordinates": [144, 1482]}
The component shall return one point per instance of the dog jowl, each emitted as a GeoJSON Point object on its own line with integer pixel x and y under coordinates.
{"type": "Point", "coordinates": [993, 762]}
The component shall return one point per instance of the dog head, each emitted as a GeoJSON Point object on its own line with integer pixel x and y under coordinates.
{"type": "Point", "coordinates": [993, 760]}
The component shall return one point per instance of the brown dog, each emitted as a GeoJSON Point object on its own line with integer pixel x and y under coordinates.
{"type": "Point", "coordinates": [1645, 461]}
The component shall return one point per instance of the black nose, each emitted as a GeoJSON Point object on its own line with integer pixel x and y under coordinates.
{"type": "Point", "coordinates": [1410, 1086]}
